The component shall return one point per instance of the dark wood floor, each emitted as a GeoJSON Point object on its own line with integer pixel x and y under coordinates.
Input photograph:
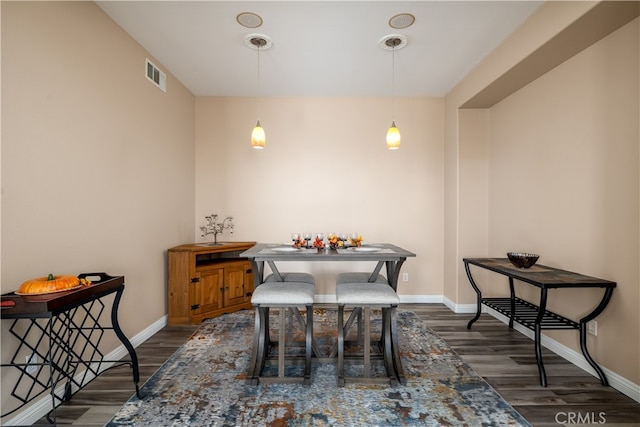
{"type": "Point", "coordinates": [504, 358]}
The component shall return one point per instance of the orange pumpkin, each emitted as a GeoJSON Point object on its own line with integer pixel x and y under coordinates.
{"type": "Point", "coordinates": [46, 285]}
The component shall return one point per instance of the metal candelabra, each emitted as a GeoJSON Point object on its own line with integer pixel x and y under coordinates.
{"type": "Point", "coordinates": [214, 227]}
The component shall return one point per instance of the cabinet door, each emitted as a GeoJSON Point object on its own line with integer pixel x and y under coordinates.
{"type": "Point", "coordinates": [234, 292]}
{"type": "Point", "coordinates": [207, 294]}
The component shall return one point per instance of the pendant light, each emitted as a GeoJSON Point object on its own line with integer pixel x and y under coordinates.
{"type": "Point", "coordinates": [393, 134]}
{"type": "Point", "coordinates": [258, 42]}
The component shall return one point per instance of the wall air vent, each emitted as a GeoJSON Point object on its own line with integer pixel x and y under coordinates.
{"type": "Point", "coordinates": [156, 76]}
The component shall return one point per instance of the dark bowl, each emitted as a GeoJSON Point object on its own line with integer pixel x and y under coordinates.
{"type": "Point", "coordinates": [522, 260]}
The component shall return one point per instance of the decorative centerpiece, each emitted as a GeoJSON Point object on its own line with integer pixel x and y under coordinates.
{"type": "Point", "coordinates": [318, 243]}
{"type": "Point", "coordinates": [334, 241]}
{"type": "Point", "coordinates": [522, 259]}
{"type": "Point", "coordinates": [214, 227]}
{"type": "Point", "coordinates": [300, 243]}
{"type": "Point", "coordinates": [355, 240]}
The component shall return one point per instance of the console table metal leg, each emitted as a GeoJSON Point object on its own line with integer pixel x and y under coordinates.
{"type": "Point", "coordinates": [537, 336]}
{"type": "Point", "coordinates": [51, 413]}
{"type": "Point", "coordinates": [478, 293]}
{"type": "Point", "coordinates": [587, 356]}
{"type": "Point", "coordinates": [512, 293]}
{"type": "Point", "coordinates": [541, 371]}
{"type": "Point", "coordinates": [583, 334]}
{"type": "Point", "coordinates": [125, 341]}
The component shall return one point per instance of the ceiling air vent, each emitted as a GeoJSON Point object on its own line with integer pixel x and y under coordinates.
{"type": "Point", "coordinates": [156, 76]}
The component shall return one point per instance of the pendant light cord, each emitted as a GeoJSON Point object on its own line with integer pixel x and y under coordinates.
{"type": "Point", "coordinates": [393, 84]}
{"type": "Point", "coordinates": [258, 49]}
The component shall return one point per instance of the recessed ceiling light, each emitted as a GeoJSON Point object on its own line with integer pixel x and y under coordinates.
{"type": "Point", "coordinates": [402, 20]}
{"type": "Point", "coordinates": [249, 20]}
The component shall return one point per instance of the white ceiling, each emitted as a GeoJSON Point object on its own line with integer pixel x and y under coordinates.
{"type": "Point", "coordinates": [320, 48]}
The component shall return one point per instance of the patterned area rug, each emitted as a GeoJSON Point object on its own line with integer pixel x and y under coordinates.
{"type": "Point", "coordinates": [203, 384]}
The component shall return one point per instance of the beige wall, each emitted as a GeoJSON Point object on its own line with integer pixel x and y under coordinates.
{"type": "Point", "coordinates": [563, 182]}
{"type": "Point", "coordinates": [545, 23]}
{"type": "Point", "coordinates": [97, 163]}
{"type": "Point", "coordinates": [326, 168]}
{"type": "Point", "coordinates": [561, 177]}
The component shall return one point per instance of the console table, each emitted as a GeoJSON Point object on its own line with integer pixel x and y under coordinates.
{"type": "Point", "coordinates": [63, 331]}
{"type": "Point", "coordinates": [537, 317]}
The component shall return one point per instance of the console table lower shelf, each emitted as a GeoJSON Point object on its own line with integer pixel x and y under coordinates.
{"type": "Point", "coordinates": [58, 338]}
{"type": "Point", "coordinates": [526, 314]}
{"type": "Point", "coordinates": [537, 317]}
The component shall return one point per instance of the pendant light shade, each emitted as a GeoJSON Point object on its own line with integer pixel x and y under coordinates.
{"type": "Point", "coordinates": [393, 42]}
{"type": "Point", "coordinates": [393, 137]}
{"type": "Point", "coordinates": [258, 42]}
{"type": "Point", "coordinates": [258, 137]}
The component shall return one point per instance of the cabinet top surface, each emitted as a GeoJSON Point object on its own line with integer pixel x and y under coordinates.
{"type": "Point", "coordinates": [212, 247]}
{"type": "Point", "coordinates": [540, 275]}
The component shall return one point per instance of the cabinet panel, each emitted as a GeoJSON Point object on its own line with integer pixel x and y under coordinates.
{"type": "Point", "coordinates": [208, 290]}
{"type": "Point", "coordinates": [234, 281]}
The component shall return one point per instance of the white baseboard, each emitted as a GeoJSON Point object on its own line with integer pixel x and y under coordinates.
{"type": "Point", "coordinates": [421, 299]}
{"type": "Point", "coordinates": [42, 406]}
{"type": "Point", "coordinates": [459, 308]}
{"type": "Point", "coordinates": [616, 381]}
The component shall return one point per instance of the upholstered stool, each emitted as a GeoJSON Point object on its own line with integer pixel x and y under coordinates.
{"type": "Point", "coordinates": [360, 277]}
{"type": "Point", "coordinates": [281, 295]}
{"type": "Point", "coordinates": [293, 312]}
{"type": "Point", "coordinates": [291, 277]}
{"type": "Point", "coordinates": [368, 295]}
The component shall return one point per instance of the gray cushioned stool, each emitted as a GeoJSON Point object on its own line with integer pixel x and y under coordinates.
{"type": "Point", "coordinates": [292, 312]}
{"type": "Point", "coordinates": [281, 295]}
{"type": "Point", "coordinates": [359, 277]}
{"type": "Point", "coordinates": [291, 277]}
{"type": "Point", "coordinates": [369, 295]}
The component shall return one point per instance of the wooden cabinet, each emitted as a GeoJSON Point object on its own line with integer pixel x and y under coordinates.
{"type": "Point", "coordinates": [206, 280]}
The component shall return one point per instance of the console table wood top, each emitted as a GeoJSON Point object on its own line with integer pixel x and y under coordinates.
{"type": "Point", "coordinates": [541, 275]}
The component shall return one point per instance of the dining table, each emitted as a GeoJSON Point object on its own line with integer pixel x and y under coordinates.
{"type": "Point", "coordinates": [386, 256]}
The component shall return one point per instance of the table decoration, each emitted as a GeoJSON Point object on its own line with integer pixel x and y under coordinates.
{"type": "Point", "coordinates": [318, 243]}
{"type": "Point", "coordinates": [355, 239]}
{"type": "Point", "coordinates": [300, 243]}
{"type": "Point", "coordinates": [522, 259]}
{"type": "Point", "coordinates": [334, 241]}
